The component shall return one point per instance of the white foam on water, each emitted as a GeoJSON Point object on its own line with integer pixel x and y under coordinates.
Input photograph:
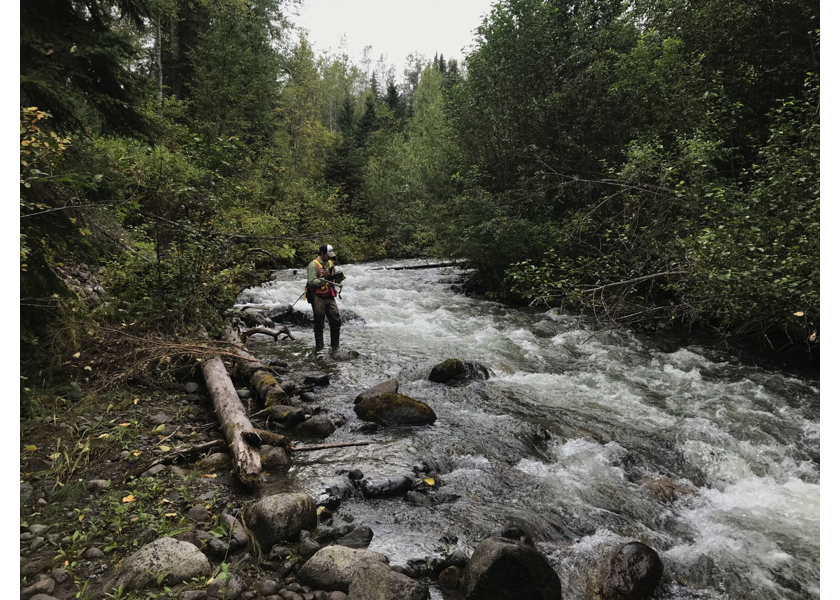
{"type": "Point", "coordinates": [751, 530]}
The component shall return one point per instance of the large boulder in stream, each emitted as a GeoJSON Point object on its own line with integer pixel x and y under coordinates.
{"type": "Point", "coordinates": [319, 426]}
{"type": "Point", "coordinates": [334, 567]}
{"type": "Point", "coordinates": [395, 409]}
{"type": "Point", "coordinates": [633, 573]}
{"type": "Point", "coordinates": [376, 581]}
{"type": "Point", "coordinates": [391, 386]}
{"type": "Point", "coordinates": [504, 569]}
{"type": "Point", "coordinates": [281, 517]}
{"type": "Point", "coordinates": [457, 370]}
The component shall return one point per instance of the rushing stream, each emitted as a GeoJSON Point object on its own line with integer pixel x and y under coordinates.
{"type": "Point", "coordinates": [741, 445]}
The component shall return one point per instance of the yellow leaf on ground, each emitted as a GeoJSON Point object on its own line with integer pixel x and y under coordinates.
{"type": "Point", "coordinates": [129, 498]}
{"type": "Point", "coordinates": [30, 448]}
{"type": "Point", "coordinates": [211, 476]}
{"type": "Point", "coordinates": [104, 436]}
{"type": "Point", "coordinates": [88, 369]}
{"type": "Point", "coordinates": [77, 355]}
{"type": "Point", "coordinates": [165, 501]}
{"type": "Point", "coordinates": [429, 480]}
{"type": "Point", "coordinates": [165, 448]}
{"type": "Point", "coordinates": [82, 516]}
{"type": "Point", "coordinates": [170, 514]}
{"type": "Point", "coordinates": [137, 452]}
{"type": "Point", "coordinates": [799, 313]}
{"type": "Point", "coordinates": [136, 400]}
{"type": "Point", "coordinates": [124, 424]}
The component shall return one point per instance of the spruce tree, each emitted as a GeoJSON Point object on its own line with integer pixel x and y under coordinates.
{"type": "Point", "coordinates": [75, 59]}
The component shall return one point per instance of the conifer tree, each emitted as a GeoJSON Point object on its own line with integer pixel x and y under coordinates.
{"type": "Point", "coordinates": [75, 59]}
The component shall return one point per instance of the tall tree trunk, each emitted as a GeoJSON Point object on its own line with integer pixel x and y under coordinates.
{"type": "Point", "coordinates": [175, 48]}
{"type": "Point", "coordinates": [159, 61]}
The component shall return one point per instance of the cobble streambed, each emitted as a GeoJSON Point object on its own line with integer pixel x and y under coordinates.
{"type": "Point", "coordinates": [578, 438]}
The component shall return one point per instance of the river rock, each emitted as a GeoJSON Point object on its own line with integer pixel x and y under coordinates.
{"type": "Point", "coordinates": [386, 387]}
{"type": "Point", "coordinates": [395, 409]}
{"type": "Point", "coordinates": [358, 538]}
{"type": "Point", "coordinates": [450, 577]}
{"type": "Point", "coordinates": [238, 535]}
{"type": "Point", "coordinates": [319, 426]}
{"type": "Point", "coordinates": [288, 416]}
{"type": "Point", "coordinates": [281, 517]}
{"type": "Point", "coordinates": [455, 369]}
{"type": "Point", "coordinates": [227, 588]}
{"type": "Point", "coordinates": [376, 581]}
{"type": "Point", "coordinates": [214, 462]}
{"type": "Point", "coordinates": [349, 317]}
{"type": "Point", "coordinates": [386, 486]}
{"type": "Point", "coordinates": [308, 547]}
{"type": "Point", "coordinates": [275, 458]}
{"type": "Point", "coordinates": [333, 567]}
{"type": "Point", "coordinates": [45, 586]}
{"type": "Point", "coordinates": [211, 545]}
{"type": "Point", "coordinates": [664, 490]}
{"type": "Point", "coordinates": [634, 572]}
{"type": "Point", "coordinates": [503, 569]}
{"type": "Point", "coordinates": [180, 561]}
{"type": "Point", "coordinates": [279, 312]}
{"type": "Point", "coordinates": [254, 317]}
{"type": "Point", "coordinates": [320, 379]}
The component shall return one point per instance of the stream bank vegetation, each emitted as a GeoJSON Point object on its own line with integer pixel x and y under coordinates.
{"type": "Point", "coordinates": [650, 164]}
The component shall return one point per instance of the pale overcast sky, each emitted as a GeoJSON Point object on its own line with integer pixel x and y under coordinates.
{"type": "Point", "coordinates": [393, 27]}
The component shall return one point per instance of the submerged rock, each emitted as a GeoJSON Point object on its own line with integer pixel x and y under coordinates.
{"type": "Point", "coordinates": [358, 538]}
{"type": "Point", "coordinates": [503, 569]}
{"type": "Point", "coordinates": [386, 486]}
{"type": "Point", "coordinates": [395, 409]}
{"type": "Point", "coordinates": [455, 369]}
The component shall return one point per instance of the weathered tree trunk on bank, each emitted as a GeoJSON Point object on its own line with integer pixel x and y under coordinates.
{"type": "Point", "coordinates": [262, 381]}
{"type": "Point", "coordinates": [233, 419]}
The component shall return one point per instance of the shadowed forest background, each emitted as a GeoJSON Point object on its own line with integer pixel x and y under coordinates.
{"type": "Point", "coordinates": [647, 163]}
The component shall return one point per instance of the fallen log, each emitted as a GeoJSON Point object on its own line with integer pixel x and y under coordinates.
{"type": "Point", "coordinates": [266, 331]}
{"type": "Point", "coordinates": [262, 381]}
{"type": "Point", "coordinates": [327, 446]}
{"type": "Point", "coordinates": [455, 263]}
{"type": "Point", "coordinates": [273, 439]}
{"type": "Point", "coordinates": [185, 453]}
{"type": "Point", "coordinates": [235, 423]}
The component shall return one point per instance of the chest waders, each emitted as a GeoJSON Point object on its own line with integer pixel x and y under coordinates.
{"type": "Point", "coordinates": [324, 305]}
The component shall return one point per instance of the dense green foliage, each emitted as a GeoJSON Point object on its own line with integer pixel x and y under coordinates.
{"type": "Point", "coordinates": [648, 162]}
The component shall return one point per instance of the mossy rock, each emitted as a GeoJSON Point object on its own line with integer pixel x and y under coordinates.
{"type": "Point", "coordinates": [458, 370]}
{"type": "Point", "coordinates": [395, 409]}
{"type": "Point", "coordinates": [448, 369]}
{"type": "Point", "coordinates": [276, 397]}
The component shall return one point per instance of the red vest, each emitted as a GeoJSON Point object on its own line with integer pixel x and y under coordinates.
{"type": "Point", "coordinates": [326, 290]}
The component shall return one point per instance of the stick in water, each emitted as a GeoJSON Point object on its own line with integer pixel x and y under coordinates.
{"type": "Point", "coordinates": [326, 446]}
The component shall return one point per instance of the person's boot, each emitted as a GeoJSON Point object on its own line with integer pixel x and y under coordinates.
{"type": "Point", "coordinates": [334, 335]}
{"type": "Point", "coordinates": [319, 340]}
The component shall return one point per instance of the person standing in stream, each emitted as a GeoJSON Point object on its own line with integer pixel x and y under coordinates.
{"type": "Point", "coordinates": [321, 279]}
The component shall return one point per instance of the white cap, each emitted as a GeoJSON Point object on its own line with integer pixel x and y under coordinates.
{"type": "Point", "coordinates": [330, 252]}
